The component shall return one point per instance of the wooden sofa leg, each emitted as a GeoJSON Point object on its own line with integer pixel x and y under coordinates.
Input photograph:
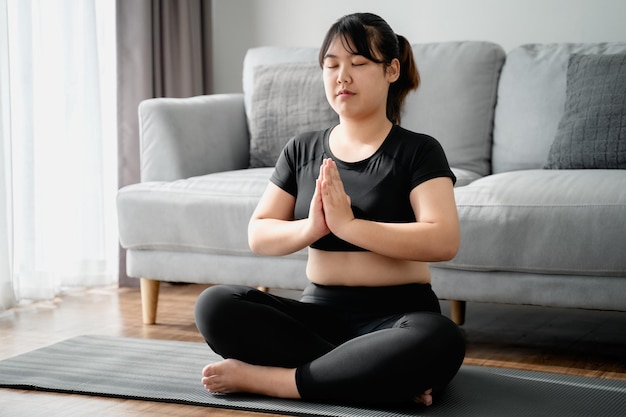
{"type": "Point", "coordinates": [149, 299]}
{"type": "Point", "coordinates": [457, 311]}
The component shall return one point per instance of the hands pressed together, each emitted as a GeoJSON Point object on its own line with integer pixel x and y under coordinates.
{"type": "Point", "coordinates": [330, 209]}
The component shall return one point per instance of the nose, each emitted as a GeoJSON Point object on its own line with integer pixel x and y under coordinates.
{"type": "Point", "coordinates": [343, 75]}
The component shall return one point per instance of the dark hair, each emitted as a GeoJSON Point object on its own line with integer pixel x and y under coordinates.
{"type": "Point", "coordinates": [369, 35]}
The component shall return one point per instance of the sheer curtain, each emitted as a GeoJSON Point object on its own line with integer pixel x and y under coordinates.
{"type": "Point", "coordinates": [58, 179]}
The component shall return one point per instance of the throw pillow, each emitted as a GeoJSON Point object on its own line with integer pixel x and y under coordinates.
{"type": "Point", "coordinates": [592, 131]}
{"type": "Point", "coordinates": [287, 99]}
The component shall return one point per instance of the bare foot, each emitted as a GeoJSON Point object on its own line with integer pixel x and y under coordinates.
{"type": "Point", "coordinates": [426, 398]}
{"type": "Point", "coordinates": [231, 376]}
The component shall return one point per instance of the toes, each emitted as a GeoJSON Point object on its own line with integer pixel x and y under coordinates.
{"type": "Point", "coordinates": [212, 384]}
{"type": "Point", "coordinates": [208, 370]}
{"type": "Point", "coordinates": [426, 398]}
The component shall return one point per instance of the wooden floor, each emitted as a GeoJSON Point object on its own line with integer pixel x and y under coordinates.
{"type": "Point", "coordinates": [580, 342]}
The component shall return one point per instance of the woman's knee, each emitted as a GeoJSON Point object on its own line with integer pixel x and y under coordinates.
{"type": "Point", "coordinates": [439, 339]}
{"type": "Point", "coordinates": [437, 326]}
{"type": "Point", "coordinates": [214, 305]}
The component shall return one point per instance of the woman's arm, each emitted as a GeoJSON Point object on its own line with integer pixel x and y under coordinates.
{"type": "Point", "coordinates": [434, 237]}
{"type": "Point", "coordinates": [272, 230]}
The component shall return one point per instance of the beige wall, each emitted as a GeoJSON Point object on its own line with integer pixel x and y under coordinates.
{"type": "Point", "coordinates": [242, 24]}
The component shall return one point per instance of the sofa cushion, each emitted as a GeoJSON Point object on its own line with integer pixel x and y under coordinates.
{"type": "Point", "coordinates": [464, 176]}
{"type": "Point", "coordinates": [270, 55]}
{"type": "Point", "coordinates": [544, 221]}
{"type": "Point", "coordinates": [206, 214]}
{"type": "Point", "coordinates": [531, 98]}
{"type": "Point", "coordinates": [288, 99]}
{"type": "Point", "coordinates": [592, 131]}
{"type": "Point", "coordinates": [456, 100]}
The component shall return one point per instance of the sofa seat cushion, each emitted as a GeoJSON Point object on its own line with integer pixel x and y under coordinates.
{"type": "Point", "coordinates": [464, 176]}
{"type": "Point", "coordinates": [544, 221]}
{"type": "Point", "coordinates": [206, 214]}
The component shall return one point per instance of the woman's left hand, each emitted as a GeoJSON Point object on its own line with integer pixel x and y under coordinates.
{"type": "Point", "coordinates": [337, 209]}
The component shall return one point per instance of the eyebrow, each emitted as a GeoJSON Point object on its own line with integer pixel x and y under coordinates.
{"type": "Point", "coordinates": [335, 56]}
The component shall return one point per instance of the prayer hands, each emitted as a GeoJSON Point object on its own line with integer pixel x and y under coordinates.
{"type": "Point", "coordinates": [317, 220]}
{"type": "Point", "coordinates": [336, 206]}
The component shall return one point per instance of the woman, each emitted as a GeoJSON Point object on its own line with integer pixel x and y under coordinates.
{"type": "Point", "coordinates": [374, 203]}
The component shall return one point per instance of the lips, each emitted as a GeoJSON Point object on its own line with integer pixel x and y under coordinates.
{"type": "Point", "coordinates": [345, 92]}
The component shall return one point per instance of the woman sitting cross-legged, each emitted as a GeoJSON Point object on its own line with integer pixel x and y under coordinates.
{"type": "Point", "coordinates": [375, 204]}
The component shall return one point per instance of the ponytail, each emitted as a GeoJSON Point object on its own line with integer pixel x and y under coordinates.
{"type": "Point", "coordinates": [408, 80]}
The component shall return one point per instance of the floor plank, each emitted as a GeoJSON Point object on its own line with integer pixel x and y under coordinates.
{"type": "Point", "coordinates": [578, 342]}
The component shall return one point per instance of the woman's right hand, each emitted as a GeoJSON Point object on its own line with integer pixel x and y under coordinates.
{"type": "Point", "coordinates": [317, 221]}
{"type": "Point", "coordinates": [272, 229]}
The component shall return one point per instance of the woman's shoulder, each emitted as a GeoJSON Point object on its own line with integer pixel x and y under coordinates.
{"type": "Point", "coordinates": [306, 145]}
{"type": "Point", "coordinates": [404, 133]}
{"type": "Point", "coordinates": [413, 141]}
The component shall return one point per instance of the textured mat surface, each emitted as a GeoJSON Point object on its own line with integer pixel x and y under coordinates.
{"type": "Point", "coordinates": [169, 371]}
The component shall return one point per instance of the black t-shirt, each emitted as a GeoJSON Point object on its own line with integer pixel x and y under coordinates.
{"type": "Point", "coordinates": [378, 186]}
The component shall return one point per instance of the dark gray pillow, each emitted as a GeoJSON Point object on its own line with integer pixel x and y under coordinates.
{"type": "Point", "coordinates": [592, 131]}
{"type": "Point", "coordinates": [287, 99]}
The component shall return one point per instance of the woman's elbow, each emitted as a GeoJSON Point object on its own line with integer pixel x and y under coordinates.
{"type": "Point", "coordinates": [254, 247]}
{"type": "Point", "coordinates": [447, 249]}
{"type": "Point", "coordinates": [257, 247]}
{"type": "Point", "coordinates": [253, 239]}
{"type": "Point", "coordinates": [448, 253]}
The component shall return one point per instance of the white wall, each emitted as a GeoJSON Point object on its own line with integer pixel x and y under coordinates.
{"type": "Point", "coordinates": [242, 24]}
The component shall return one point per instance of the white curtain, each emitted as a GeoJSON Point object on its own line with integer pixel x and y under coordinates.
{"type": "Point", "coordinates": [58, 182]}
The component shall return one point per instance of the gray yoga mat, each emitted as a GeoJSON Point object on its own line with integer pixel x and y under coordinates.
{"type": "Point", "coordinates": [169, 371]}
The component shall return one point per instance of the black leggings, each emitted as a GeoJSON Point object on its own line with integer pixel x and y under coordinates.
{"type": "Point", "coordinates": [351, 344]}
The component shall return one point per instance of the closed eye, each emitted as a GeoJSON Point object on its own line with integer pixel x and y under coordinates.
{"type": "Point", "coordinates": [360, 61]}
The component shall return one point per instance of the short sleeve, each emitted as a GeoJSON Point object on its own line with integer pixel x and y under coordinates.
{"type": "Point", "coordinates": [284, 172]}
{"type": "Point", "coordinates": [430, 162]}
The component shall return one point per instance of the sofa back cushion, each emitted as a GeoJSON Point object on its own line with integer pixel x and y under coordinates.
{"type": "Point", "coordinates": [265, 94]}
{"type": "Point", "coordinates": [456, 100]}
{"type": "Point", "coordinates": [454, 104]}
{"type": "Point", "coordinates": [592, 131]}
{"type": "Point", "coordinates": [287, 99]}
{"type": "Point", "coordinates": [270, 55]}
{"type": "Point", "coordinates": [531, 99]}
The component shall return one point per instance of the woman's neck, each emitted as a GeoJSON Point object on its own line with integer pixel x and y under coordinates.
{"type": "Point", "coordinates": [364, 131]}
{"type": "Point", "coordinates": [353, 141]}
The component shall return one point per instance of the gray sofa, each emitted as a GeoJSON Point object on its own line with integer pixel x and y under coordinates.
{"type": "Point", "coordinates": [529, 235]}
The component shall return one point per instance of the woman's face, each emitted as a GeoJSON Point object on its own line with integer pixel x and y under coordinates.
{"type": "Point", "coordinates": [356, 87]}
